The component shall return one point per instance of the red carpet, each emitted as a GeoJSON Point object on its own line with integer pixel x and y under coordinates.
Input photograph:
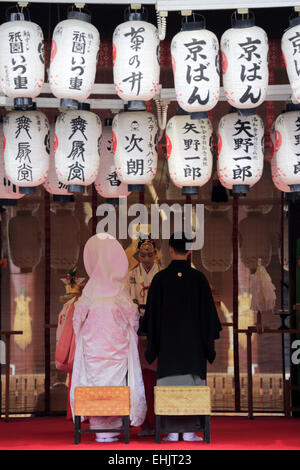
{"type": "Point", "coordinates": [227, 433]}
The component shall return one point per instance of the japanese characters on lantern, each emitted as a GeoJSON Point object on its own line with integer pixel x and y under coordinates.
{"type": "Point", "coordinates": [290, 45]}
{"type": "Point", "coordinates": [195, 62]}
{"type": "Point", "coordinates": [77, 146]}
{"type": "Point", "coordinates": [9, 192]}
{"type": "Point", "coordinates": [287, 149]}
{"type": "Point", "coordinates": [73, 60]}
{"type": "Point", "coordinates": [21, 58]}
{"type": "Point", "coordinates": [189, 152]}
{"type": "Point", "coordinates": [244, 50]}
{"type": "Point", "coordinates": [240, 151]}
{"type": "Point", "coordinates": [135, 148]}
{"type": "Point", "coordinates": [136, 60]}
{"type": "Point", "coordinates": [107, 183]}
{"type": "Point", "coordinates": [26, 148]}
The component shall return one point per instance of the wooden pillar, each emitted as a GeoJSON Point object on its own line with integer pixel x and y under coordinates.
{"type": "Point", "coordinates": [235, 301]}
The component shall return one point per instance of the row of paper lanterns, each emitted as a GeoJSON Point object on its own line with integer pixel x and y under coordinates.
{"type": "Point", "coordinates": [195, 60]}
{"type": "Point", "coordinates": [123, 157]}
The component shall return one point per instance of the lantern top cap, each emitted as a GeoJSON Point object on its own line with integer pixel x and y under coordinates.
{"type": "Point", "coordinates": [136, 105]}
{"type": "Point", "coordinates": [294, 21]}
{"type": "Point", "coordinates": [69, 103]}
{"type": "Point", "coordinates": [292, 107]}
{"type": "Point", "coordinates": [193, 25]}
{"type": "Point", "coordinates": [79, 15]}
{"type": "Point", "coordinates": [84, 106]}
{"type": "Point", "coordinates": [16, 16]}
{"type": "Point", "coordinates": [24, 104]}
{"type": "Point", "coordinates": [240, 23]}
{"type": "Point", "coordinates": [108, 121]}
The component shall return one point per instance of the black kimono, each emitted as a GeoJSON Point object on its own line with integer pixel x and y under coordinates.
{"type": "Point", "coordinates": [181, 321]}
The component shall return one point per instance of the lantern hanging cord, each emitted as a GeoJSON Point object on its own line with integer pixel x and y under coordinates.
{"type": "Point", "coordinates": [162, 112]}
{"type": "Point", "coordinates": [161, 25]}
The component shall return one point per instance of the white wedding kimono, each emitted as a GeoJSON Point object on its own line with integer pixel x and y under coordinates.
{"type": "Point", "coordinates": [105, 323]}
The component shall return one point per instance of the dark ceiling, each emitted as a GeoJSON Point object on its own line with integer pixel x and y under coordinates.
{"type": "Point", "coordinates": [106, 17]}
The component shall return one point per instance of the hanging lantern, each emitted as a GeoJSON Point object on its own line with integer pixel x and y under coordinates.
{"type": "Point", "coordinates": [275, 175]}
{"type": "Point", "coordinates": [77, 145]}
{"type": "Point", "coordinates": [22, 57]}
{"type": "Point", "coordinates": [291, 55]}
{"type": "Point", "coordinates": [107, 183]}
{"type": "Point", "coordinates": [135, 148]}
{"type": "Point", "coordinates": [189, 152]}
{"type": "Point", "coordinates": [136, 61]}
{"type": "Point", "coordinates": [73, 60]}
{"type": "Point", "coordinates": [287, 145]}
{"type": "Point", "coordinates": [255, 240]}
{"type": "Point", "coordinates": [26, 149]}
{"type": "Point", "coordinates": [216, 254]}
{"type": "Point", "coordinates": [244, 51]}
{"type": "Point", "coordinates": [240, 151]}
{"type": "Point", "coordinates": [195, 62]}
{"type": "Point", "coordinates": [52, 184]}
{"type": "Point", "coordinates": [64, 249]}
{"type": "Point", "coordinates": [9, 193]}
{"type": "Point", "coordinates": [25, 240]}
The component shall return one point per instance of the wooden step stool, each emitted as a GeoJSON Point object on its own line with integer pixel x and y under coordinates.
{"type": "Point", "coordinates": [101, 401]}
{"type": "Point", "coordinates": [184, 401]}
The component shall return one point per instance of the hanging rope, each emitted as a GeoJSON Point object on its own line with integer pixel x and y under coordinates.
{"type": "Point", "coordinates": [162, 113]}
{"type": "Point", "coordinates": [161, 26]}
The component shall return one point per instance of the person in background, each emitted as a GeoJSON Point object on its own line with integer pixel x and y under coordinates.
{"type": "Point", "coordinates": [139, 280]}
{"type": "Point", "coordinates": [105, 323]}
{"type": "Point", "coordinates": [181, 324]}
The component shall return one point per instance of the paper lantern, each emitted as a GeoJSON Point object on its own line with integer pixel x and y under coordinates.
{"type": "Point", "coordinates": [255, 240]}
{"type": "Point", "coordinates": [107, 183]}
{"type": "Point", "coordinates": [9, 193]}
{"type": "Point", "coordinates": [73, 61]}
{"type": "Point", "coordinates": [26, 149]}
{"type": "Point", "coordinates": [240, 151]}
{"type": "Point", "coordinates": [24, 234]}
{"type": "Point", "coordinates": [195, 62]}
{"type": "Point", "coordinates": [22, 58]}
{"type": "Point", "coordinates": [52, 184]}
{"type": "Point", "coordinates": [135, 148]}
{"type": "Point", "coordinates": [244, 51]}
{"type": "Point", "coordinates": [216, 254]}
{"type": "Point", "coordinates": [65, 239]}
{"type": "Point", "coordinates": [291, 55]}
{"type": "Point", "coordinates": [189, 152]}
{"type": "Point", "coordinates": [287, 149]}
{"type": "Point", "coordinates": [136, 59]}
{"type": "Point", "coordinates": [77, 145]}
{"type": "Point", "coordinates": [276, 177]}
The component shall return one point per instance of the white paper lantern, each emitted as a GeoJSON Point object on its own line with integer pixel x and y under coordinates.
{"type": "Point", "coordinates": [291, 54]}
{"type": "Point", "coordinates": [189, 152]}
{"type": "Point", "coordinates": [74, 53]}
{"type": "Point", "coordinates": [135, 148]}
{"type": "Point", "coordinates": [195, 62]}
{"type": "Point", "coordinates": [52, 184]}
{"type": "Point", "coordinates": [107, 183]}
{"type": "Point", "coordinates": [26, 148]}
{"type": "Point", "coordinates": [77, 146]}
{"type": "Point", "coordinates": [240, 151]}
{"type": "Point", "coordinates": [216, 254]}
{"type": "Point", "coordinates": [136, 60]}
{"type": "Point", "coordinates": [9, 192]}
{"type": "Point", "coordinates": [276, 177]}
{"type": "Point", "coordinates": [22, 58]}
{"type": "Point", "coordinates": [287, 135]}
{"type": "Point", "coordinates": [244, 50]}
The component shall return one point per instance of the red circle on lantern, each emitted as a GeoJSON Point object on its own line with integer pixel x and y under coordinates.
{"type": "Point", "coordinates": [53, 50]}
{"type": "Point", "coordinates": [278, 141]}
{"type": "Point", "coordinates": [220, 143]}
{"type": "Point", "coordinates": [224, 62]}
{"type": "Point", "coordinates": [114, 139]}
{"type": "Point", "coordinates": [173, 65]}
{"type": "Point", "coordinates": [114, 54]}
{"type": "Point", "coordinates": [55, 143]}
{"type": "Point", "coordinates": [169, 146]}
{"type": "Point", "coordinates": [4, 142]}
